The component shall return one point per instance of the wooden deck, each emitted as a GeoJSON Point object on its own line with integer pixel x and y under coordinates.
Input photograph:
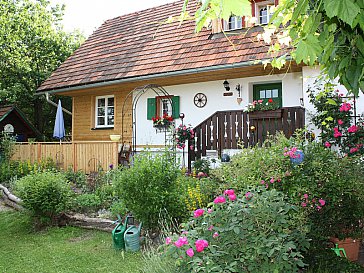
{"type": "Point", "coordinates": [80, 155]}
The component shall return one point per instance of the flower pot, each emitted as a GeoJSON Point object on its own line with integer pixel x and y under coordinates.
{"type": "Point", "coordinates": [350, 245]}
{"type": "Point", "coordinates": [115, 137]}
{"type": "Point", "coordinates": [265, 114]}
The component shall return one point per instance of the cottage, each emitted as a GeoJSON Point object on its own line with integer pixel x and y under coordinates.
{"type": "Point", "coordinates": [135, 67]}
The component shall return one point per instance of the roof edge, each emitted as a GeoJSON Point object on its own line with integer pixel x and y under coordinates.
{"type": "Point", "coordinates": [154, 76]}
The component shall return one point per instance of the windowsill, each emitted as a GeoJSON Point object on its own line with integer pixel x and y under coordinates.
{"type": "Point", "coordinates": [245, 31]}
{"type": "Point", "coordinates": [102, 128]}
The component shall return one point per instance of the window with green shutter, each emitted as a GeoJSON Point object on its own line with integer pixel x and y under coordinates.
{"type": "Point", "coordinates": [160, 105]}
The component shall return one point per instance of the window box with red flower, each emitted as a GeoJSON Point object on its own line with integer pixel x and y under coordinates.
{"type": "Point", "coordinates": [162, 123]}
{"type": "Point", "coordinates": [259, 109]}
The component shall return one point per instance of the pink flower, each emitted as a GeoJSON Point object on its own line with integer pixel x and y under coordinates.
{"type": "Point", "coordinates": [318, 207]}
{"type": "Point", "coordinates": [272, 180]}
{"type": "Point", "coordinates": [327, 144]}
{"type": "Point", "coordinates": [248, 195]}
{"type": "Point", "coordinates": [210, 228]}
{"type": "Point", "coordinates": [340, 122]}
{"type": "Point", "coordinates": [345, 107]}
{"type": "Point", "coordinates": [353, 129]}
{"type": "Point", "coordinates": [305, 195]}
{"type": "Point", "coordinates": [262, 182]}
{"type": "Point", "coordinates": [190, 252]}
{"type": "Point", "coordinates": [181, 242]}
{"type": "Point", "coordinates": [303, 204]}
{"type": "Point", "coordinates": [260, 101]}
{"type": "Point", "coordinates": [337, 134]}
{"type": "Point", "coordinates": [209, 210]}
{"type": "Point", "coordinates": [201, 245]}
{"type": "Point", "coordinates": [322, 202]}
{"type": "Point", "coordinates": [229, 192]}
{"type": "Point", "coordinates": [353, 150]}
{"type": "Point", "coordinates": [232, 197]}
{"type": "Point", "coordinates": [220, 199]}
{"type": "Point", "coordinates": [191, 147]}
{"type": "Point", "coordinates": [199, 212]}
{"type": "Point", "coordinates": [215, 235]}
{"type": "Point", "coordinates": [168, 240]}
{"type": "Point", "coordinates": [279, 180]}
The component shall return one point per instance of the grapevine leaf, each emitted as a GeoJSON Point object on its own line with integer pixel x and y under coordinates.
{"type": "Point", "coordinates": [346, 10]}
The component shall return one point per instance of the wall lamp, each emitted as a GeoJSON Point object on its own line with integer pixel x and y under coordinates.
{"type": "Point", "coordinates": [226, 85]}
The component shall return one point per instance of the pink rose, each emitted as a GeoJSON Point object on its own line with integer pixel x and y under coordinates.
{"type": "Point", "coordinates": [201, 245]}
{"type": "Point", "coordinates": [232, 197]}
{"type": "Point", "coordinates": [353, 150]}
{"type": "Point", "coordinates": [327, 144]}
{"type": "Point", "coordinates": [229, 192]}
{"type": "Point", "coordinates": [199, 212]}
{"type": "Point", "coordinates": [220, 199]}
{"type": "Point", "coordinates": [190, 252]}
{"type": "Point", "coordinates": [168, 240]}
{"type": "Point", "coordinates": [322, 202]}
{"type": "Point", "coordinates": [305, 195]}
{"type": "Point", "coordinates": [209, 210]}
{"type": "Point", "coordinates": [272, 180]}
{"type": "Point", "coordinates": [303, 204]}
{"type": "Point", "coordinates": [340, 122]}
{"type": "Point", "coordinates": [353, 129]}
{"type": "Point", "coordinates": [181, 242]}
{"type": "Point", "coordinates": [215, 235]}
{"type": "Point", "coordinates": [345, 107]}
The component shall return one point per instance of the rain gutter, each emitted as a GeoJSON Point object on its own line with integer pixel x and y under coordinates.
{"type": "Point", "coordinates": [154, 76]}
{"type": "Point", "coordinates": [55, 104]}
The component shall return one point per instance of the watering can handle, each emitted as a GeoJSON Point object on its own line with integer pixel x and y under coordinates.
{"type": "Point", "coordinates": [140, 227]}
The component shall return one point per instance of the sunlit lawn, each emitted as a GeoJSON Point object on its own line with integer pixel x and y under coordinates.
{"type": "Point", "coordinates": [58, 249]}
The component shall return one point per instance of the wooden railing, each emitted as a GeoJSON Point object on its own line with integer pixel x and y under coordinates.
{"type": "Point", "coordinates": [237, 129]}
{"type": "Point", "coordinates": [88, 156]}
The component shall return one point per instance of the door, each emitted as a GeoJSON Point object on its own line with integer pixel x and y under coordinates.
{"type": "Point", "coordinates": [268, 91]}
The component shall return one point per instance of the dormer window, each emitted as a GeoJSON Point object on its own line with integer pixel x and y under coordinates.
{"type": "Point", "coordinates": [264, 11]}
{"type": "Point", "coordinates": [234, 22]}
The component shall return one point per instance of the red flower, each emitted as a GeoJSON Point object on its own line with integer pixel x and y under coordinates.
{"type": "Point", "coordinates": [270, 100]}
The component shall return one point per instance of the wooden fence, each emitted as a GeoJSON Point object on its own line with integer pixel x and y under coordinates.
{"type": "Point", "coordinates": [80, 155]}
{"type": "Point", "coordinates": [237, 129]}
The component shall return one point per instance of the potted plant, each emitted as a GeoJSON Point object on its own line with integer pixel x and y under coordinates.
{"type": "Point", "coordinates": [162, 123]}
{"type": "Point", "coordinates": [259, 109]}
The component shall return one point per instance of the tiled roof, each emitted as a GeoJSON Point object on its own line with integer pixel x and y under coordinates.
{"type": "Point", "coordinates": [137, 44]}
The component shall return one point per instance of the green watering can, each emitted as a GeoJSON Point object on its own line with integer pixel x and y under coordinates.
{"type": "Point", "coordinates": [131, 238]}
{"type": "Point", "coordinates": [118, 234]}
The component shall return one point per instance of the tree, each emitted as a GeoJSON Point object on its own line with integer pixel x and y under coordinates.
{"type": "Point", "coordinates": [32, 45]}
{"type": "Point", "coordinates": [327, 32]}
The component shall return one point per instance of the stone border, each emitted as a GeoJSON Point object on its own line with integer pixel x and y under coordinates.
{"type": "Point", "coordinates": [10, 199]}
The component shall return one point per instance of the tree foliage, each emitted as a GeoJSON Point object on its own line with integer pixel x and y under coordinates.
{"type": "Point", "coordinates": [32, 45]}
{"type": "Point", "coordinates": [327, 32]}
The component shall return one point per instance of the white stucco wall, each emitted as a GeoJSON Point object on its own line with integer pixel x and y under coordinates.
{"type": "Point", "coordinates": [291, 94]}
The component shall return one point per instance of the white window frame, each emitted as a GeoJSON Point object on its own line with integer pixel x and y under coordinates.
{"type": "Point", "coordinates": [265, 4]}
{"type": "Point", "coordinates": [105, 109]}
{"type": "Point", "coordinates": [165, 102]}
{"type": "Point", "coordinates": [238, 23]}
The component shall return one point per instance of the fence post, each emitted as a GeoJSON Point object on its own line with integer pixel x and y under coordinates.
{"type": "Point", "coordinates": [74, 156]}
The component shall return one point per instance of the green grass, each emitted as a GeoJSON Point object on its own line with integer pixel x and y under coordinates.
{"type": "Point", "coordinates": [66, 249]}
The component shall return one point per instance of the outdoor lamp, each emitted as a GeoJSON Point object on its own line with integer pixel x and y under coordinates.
{"type": "Point", "coordinates": [238, 88]}
{"type": "Point", "coordinates": [226, 85]}
{"type": "Point", "coordinates": [182, 116]}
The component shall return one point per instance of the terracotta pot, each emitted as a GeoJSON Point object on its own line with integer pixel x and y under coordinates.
{"type": "Point", "coordinates": [350, 245]}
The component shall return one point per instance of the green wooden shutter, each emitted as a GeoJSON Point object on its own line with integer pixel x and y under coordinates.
{"type": "Point", "coordinates": [175, 107]}
{"type": "Point", "coordinates": [151, 108]}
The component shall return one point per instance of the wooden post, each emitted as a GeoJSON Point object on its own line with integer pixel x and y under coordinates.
{"type": "Point", "coordinates": [39, 151]}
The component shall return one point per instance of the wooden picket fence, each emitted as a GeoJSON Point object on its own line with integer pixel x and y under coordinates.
{"type": "Point", "coordinates": [88, 156]}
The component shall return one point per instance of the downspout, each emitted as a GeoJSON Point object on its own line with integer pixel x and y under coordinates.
{"type": "Point", "coordinates": [55, 104]}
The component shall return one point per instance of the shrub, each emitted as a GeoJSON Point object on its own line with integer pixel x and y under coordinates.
{"type": "Point", "coordinates": [258, 231]}
{"type": "Point", "coordinates": [149, 187]}
{"type": "Point", "coordinates": [118, 208]}
{"type": "Point", "coordinates": [46, 195]}
{"type": "Point", "coordinates": [78, 178]}
{"type": "Point", "coordinates": [88, 202]}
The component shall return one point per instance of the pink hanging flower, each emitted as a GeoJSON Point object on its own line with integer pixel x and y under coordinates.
{"type": "Point", "coordinates": [353, 129]}
{"type": "Point", "coordinates": [190, 252]}
{"type": "Point", "coordinates": [199, 212]}
{"type": "Point", "coordinates": [232, 197]}
{"type": "Point", "coordinates": [345, 107]}
{"type": "Point", "coordinates": [220, 199]}
{"type": "Point", "coordinates": [340, 122]}
{"type": "Point", "coordinates": [229, 192]}
{"type": "Point", "coordinates": [168, 240]}
{"type": "Point", "coordinates": [322, 202]}
{"type": "Point", "coordinates": [327, 144]}
{"type": "Point", "coordinates": [215, 235]}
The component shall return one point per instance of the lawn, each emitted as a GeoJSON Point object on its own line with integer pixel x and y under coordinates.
{"type": "Point", "coordinates": [66, 249]}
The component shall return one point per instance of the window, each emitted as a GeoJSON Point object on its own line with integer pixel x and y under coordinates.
{"type": "Point", "coordinates": [234, 22]}
{"type": "Point", "coordinates": [104, 112]}
{"type": "Point", "coordinates": [159, 105]}
{"type": "Point", "coordinates": [263, 11]}
{"type": "Point", "coordinates": [268, 91]}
